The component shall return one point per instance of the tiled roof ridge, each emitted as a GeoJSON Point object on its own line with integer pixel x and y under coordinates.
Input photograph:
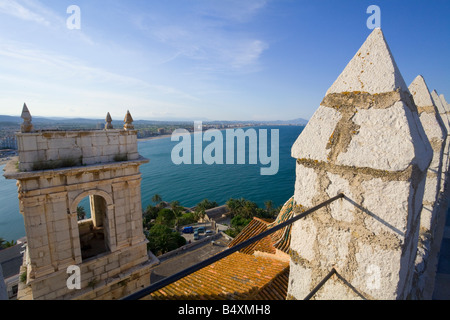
{"type": "Point", "coordinates": [279, 240]}
{"type": "Point", "coordinates": [282, 238]}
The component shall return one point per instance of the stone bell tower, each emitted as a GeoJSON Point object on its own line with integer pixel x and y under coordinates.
{"type": "Point", "coordinates": [58, 169]}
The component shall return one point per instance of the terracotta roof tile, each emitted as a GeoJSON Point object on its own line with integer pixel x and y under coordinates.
{"type": "Point", "coordinates": [238, 276]}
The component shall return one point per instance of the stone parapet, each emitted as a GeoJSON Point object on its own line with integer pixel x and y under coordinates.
{"type": "Point", "coordinates": [56, 149]}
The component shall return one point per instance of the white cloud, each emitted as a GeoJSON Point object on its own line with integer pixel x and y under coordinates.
{"type": "Point", "coordinates": [14, 8]}
{"type": "Point", "coordinates": [62, 85]}
{"type": "Point", "coordinates": [248, 53]}
{"type": "Point", "coordinates": [208, 33]}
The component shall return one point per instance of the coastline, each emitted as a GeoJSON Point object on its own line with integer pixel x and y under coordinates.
{"type": "Point", "coordinates": [158, 137]}
{"type": "Point", "coordinates": [179, 134]}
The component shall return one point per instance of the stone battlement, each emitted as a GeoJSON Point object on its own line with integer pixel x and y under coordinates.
{"type": "Point", "coordinates": [43, 150]}
{"type": "Point", "coordinates": [53, 149]}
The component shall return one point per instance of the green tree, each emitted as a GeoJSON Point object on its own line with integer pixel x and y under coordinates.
{"type": "Point", "coordinates": [186, 218]}
{"type": "Point", "coordinates": [235, 206]}
{"type": "Point", "coordinates": [176, 207]}
{"type": "Point", "coordinates": [162, 239]}
{"type": "Point", "coordinates": [166, 217]}
{"type": "Point", "coordinates": [6, 244]}
{"type": "Point", "coordinates": [199, 213]}
{"type": "Point", "coordinates": [81, 213]}
{"type": "Point", "coordinates": [178, 211]}
{"type": "Point", "coordinates": [206, 204]}
{"type": "Point", "coordinates": [243, 211]}
{"type": "Point", "coordinates": [151, 212]}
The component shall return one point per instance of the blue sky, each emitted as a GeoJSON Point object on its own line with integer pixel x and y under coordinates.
{"type": "Point", "coordinates": [203, 59]}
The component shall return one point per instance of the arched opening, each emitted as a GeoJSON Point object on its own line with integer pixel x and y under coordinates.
{"type": "Point", "coordinates": [92, 212]}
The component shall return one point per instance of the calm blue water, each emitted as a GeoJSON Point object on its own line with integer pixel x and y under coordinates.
{"type": "Point", "coordinates": [189, 184]}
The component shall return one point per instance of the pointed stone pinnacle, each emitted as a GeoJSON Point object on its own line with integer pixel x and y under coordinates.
{"type": "Point", "coordinates": [444, 102]}
{"type": "Point", "coordinates": [372, 69]}
{"type": "Point", "coordinates": [367, 118]}
{"type": "Point", "coordinates": [434, 125]}
{"type": "Point", "coordinates": [128, 121]}
{"type": "Point", "coordinates": [26, 116]}
{"type": "Point", "coordinates": [108, 124]}
{"type": "Point", "coordinates": [437, 102]}
{"type": "Point", "coordinates": [421, 93]}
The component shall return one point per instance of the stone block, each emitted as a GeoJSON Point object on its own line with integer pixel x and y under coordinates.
{"type": "Point", "coordinates": [335, 289]}
{"type": "Point", "coordinates": [61, 143]}
{"type": "Point", "coordinates": [302, 285]}
{"type": "Point", "coordinates": [334, 247]}
{"type": "Point", "coordinates": [341, 210]}
{"type": "Point", "coordinates": [385, 213]}
{"type": "Point", "coordinates": [385, 141]}
{"type": "Point", "coordinates": [111, 150]}
{"type": "Point", "coordinates": [306, 185]}
{"type": "Point", "coordinates": [371, 276]}
{"type": "Point", "coordinates": [312, 143]}
{"type": "Point", "coordinates": [28, 143]}
{"type": "Point", "coordinates": [305, 232]}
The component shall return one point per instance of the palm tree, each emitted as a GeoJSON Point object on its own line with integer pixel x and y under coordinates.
{"type": "Point", "coordinates": [176, 208]}
{"type": "Point", "coordinates": [11, 243]}
{"type": "Point", "coordinates": [156, 199]}
{"type": "Point", "coordinates": [6, 244]}
{"type": "Point", "coordinates": [199, 214]}
{"type": "Point", "coordinates": [269, 205]}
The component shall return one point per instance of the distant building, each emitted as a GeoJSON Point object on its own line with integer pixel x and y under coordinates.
{"type": "Point", "coordinates": [8, 142]}
{"type": "Point", "coordinates": [216, 214]}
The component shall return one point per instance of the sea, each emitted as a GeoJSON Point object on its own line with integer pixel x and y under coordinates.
{"type": "Point", "coordinates": [189, 183]}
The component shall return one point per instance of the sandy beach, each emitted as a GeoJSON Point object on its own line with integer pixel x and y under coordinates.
{"type": "Point", "coordinates": [178, 134]}
{"type": "Point", "coordinates": [4, 161]}
{"type": "Point", "coordinates": [159, 137]}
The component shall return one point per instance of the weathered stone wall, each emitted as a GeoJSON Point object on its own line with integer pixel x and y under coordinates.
{"type": "Point", "coordinates": [432, 210]}
{"type": "Point", "coordinates": [445, 116]}
{"type": "Point", "coordinates": [365, 141]}
{"type": "Point", "coordinates": [53, 149]}
{"type": "Point", "coordinates": [98, 276]}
